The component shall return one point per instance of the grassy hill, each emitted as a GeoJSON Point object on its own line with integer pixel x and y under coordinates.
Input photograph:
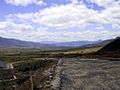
{"type": "Point", "coordinates": [113, 46]}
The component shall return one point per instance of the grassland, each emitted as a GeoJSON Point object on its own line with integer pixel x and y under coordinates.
{"type": "Point", "coordinates": [77, 74]}
{"type": "Point", "coordinates": [83, 50]}
{"type": "Point", "coordinates": [25, 54]}
{"type": "Point", "coordinates": [90, 74]}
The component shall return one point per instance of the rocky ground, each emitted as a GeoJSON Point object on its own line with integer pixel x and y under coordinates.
{"type": "Point", "coordinates": [86, 74]}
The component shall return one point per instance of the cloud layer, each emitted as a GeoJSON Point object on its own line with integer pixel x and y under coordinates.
{"type": "Point", "coordinates": [64, 19]}
{"type": "Point", "coordinates": [72, 15]}
{"type": "Point", "coordinates": [25, 2]}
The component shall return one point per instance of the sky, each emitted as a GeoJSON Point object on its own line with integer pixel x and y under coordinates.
{"type": "Point", "coordinates": [59, 20]}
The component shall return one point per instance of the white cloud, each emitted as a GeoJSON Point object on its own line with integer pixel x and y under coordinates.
{"type": "Point", "coordinates": [64, 16]}
{"type": "Point", "coordinates": [116, 26]}
{"type": "Point", "coordinates": [104, 3]}
{"type": "Point", "coordinates": [41, 34]}
{"type": "Point", "coordinates": [73, 15]}
{"type": "Point", "coordinates": [12, 26]}
{"type": "Point", "coordinates": [75, 1]}
{"type": "Point", "coordinates": [99, 27]}
{"type": "Point", "coordinates": [111, 13]}
{"type": "Point", "coordinates": [25, 2]}
{"type": "Point", "coordinates": [27, 32]}
{"type": "Point", "coordinates": [40, 3]}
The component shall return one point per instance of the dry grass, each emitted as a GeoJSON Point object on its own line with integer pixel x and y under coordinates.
{"type": "Point", "coordinates": [84, 50]}
{"type": "Point", "coordinates": [90, 75]}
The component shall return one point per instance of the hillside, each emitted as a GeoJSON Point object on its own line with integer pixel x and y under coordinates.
{"type": "Point", "coordinates": [5, 42]}
{"type": "Point", "coordinates": [112, 46]}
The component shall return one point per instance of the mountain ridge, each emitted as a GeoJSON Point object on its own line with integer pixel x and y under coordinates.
{"type": "Point", "coordinates": [9, 42]}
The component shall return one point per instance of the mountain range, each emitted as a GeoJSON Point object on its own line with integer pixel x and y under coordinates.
{"type": "Point", "coordinates": [8, 42]}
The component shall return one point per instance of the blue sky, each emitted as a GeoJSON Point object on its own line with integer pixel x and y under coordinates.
{"type": "Point", "coordinates": [59, 20]}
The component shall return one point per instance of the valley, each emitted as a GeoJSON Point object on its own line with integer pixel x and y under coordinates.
{"type": "Point", "coordinates": [81, 68]}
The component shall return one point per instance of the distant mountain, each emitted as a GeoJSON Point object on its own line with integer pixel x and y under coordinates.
{"type": "Point", "coordinates": [84, 43]}
{"type": "Point", "coordinates": [74, 43]}
{"type": "Point", "coordinates": [99, 43]}
{"type": "Point", "coordinates": [113, 46]}
{"type": "Point", "coordinates": [5, 42]}
{"type": "Point", "coordinates": [49, 42]}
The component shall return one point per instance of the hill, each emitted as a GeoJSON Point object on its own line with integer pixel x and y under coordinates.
{"type": "Point", "coordinates": [5, 42]}
{"type": "Point", "coordinates": [112, 46]}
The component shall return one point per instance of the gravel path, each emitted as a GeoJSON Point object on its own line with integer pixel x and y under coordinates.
{"type": "Point", "coordinates": [83, 74]}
